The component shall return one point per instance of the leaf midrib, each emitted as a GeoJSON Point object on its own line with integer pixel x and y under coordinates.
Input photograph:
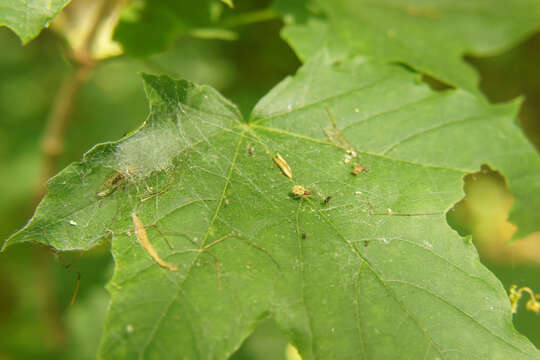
{"type": "Point", "coordinates": [203, 243]}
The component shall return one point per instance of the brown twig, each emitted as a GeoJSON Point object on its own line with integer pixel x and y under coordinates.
{"type": "Point", "coordinates": [52, 144]}
{"type": "Point", "coordinates": [52, 147]}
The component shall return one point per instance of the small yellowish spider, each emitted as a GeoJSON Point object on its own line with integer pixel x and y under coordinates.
{"type": "Point", "coordinates": [299, 191]}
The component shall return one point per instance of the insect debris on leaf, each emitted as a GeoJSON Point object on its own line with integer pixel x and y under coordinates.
{"type": "Point", "coordinates": [115, 181]}
{"type": "Point", "coordinates": [250, 149]}
{"type": "Point", "coordinates": [300, 191]}
{"type": "Point", "coordinates": [358, 168]}
{"type": "Point", "coordinates": [285, 168]}
{"type": "Point", "coordinates": [142, 237]}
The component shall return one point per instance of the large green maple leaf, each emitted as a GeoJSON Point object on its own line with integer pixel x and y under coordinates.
{"type": "Point", "coordinates": [365, 267]}
{"type": "Point", "coordinates": [28, 17]}
{"type": "Point", "coordinates": [430, 36]}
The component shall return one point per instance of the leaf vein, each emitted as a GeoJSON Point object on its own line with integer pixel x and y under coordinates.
{"type": "Point", "coordinates": [447, 302]}
{"type": "Point", "coordinates": [191, 266]}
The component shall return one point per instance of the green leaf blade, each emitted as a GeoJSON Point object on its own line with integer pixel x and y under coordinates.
{"type": "Point", "coordinates": [84, 204]}
{"type": "Point", "coordinates": [374, 272]}
{"type": "Point", "coordinates": [431, 37]}
{"type": "Point", "coordinates": [28, 18]}
{"type": "Point", "coordinates": [401, 118]}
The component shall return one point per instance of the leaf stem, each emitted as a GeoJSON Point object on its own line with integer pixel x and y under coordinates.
{"type": "Point", "coordinates": [252, 17]}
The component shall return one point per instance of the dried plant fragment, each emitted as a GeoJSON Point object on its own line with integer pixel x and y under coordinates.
{"type": "Point", "coordinates": [285, 168]}
{"type": "Point", "coordinates": [140, 232]}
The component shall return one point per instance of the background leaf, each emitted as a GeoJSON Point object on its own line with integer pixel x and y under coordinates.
{"type": "Point", "coordinates": [517, 70]}
{"type": "Point", "coordinates": [342, 278]}
{"type": "Point", "coordinates": [149, 27]}
{"type": "Point", "coordinates": [28, 18]}
{"type": "Point", "coordinates": [430, 36]}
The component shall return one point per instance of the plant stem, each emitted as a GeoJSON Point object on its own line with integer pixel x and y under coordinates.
{"type": "Point", "coordinates": [251, 18]}
{"type": "Point", "coordinates": [52, 145]}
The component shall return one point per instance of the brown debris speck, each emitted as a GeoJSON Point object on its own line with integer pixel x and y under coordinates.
{"type": "Point", "coordinates": [358, 168]}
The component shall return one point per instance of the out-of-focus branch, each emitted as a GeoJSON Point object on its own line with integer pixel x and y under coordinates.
{"type": "Point", "coordinates": [52, 147]}
{"type": "Point", "coordinates": [52, 144]}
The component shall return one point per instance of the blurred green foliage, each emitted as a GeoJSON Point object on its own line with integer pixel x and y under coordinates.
{"type": "Point", "coordinates": [504, 77]}
{"type": "Point", "coordinates": [512, 74]}
{"type": "Point", "coordinates": [36, 289]}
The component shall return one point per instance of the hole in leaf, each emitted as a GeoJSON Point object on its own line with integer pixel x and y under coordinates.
{"type": "Point", "coordinates": [484, 209]}
{"type": "Point", "coordinates": [266, 343]}
{"type": "Point", "coordinates": [483, 213]}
